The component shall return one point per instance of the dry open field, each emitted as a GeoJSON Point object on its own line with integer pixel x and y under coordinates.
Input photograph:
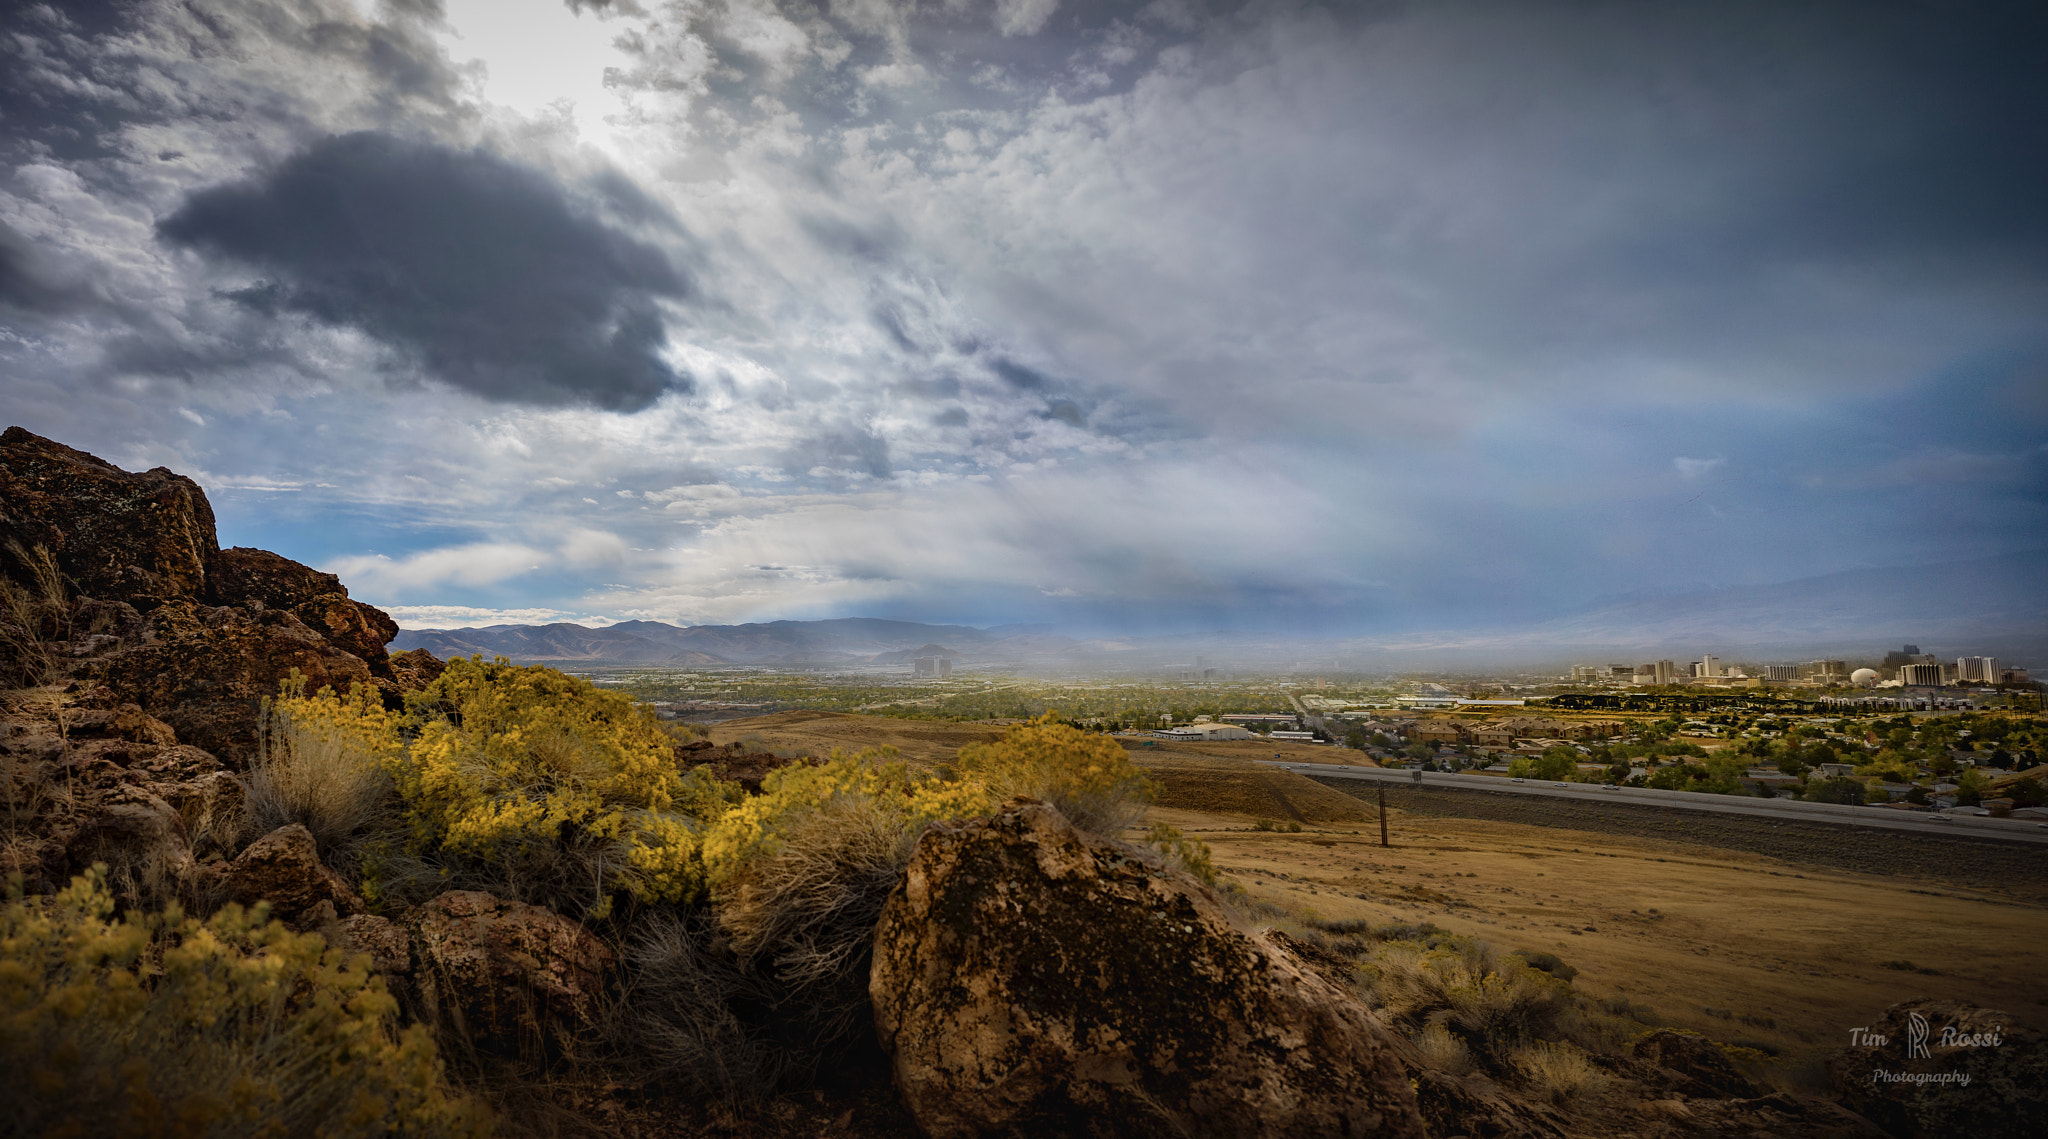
{"type": "Point", "coordinates": [1776, 949]}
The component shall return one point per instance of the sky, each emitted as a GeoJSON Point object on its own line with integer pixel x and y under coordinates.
{"type": "Point", "coordinates": [1128, 317]}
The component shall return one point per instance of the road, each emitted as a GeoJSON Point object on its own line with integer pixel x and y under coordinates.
{"type": "Point", "coordinates": [2012, 830]}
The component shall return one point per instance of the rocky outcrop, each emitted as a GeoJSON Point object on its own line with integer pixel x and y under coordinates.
{"type": "Point", "coordinates": [119, 580]}
{"type": "Point", "coordinates": [1699, 1066]}
{"type": "Point", "coordinates": [1032, 979]}
{"type": "Point", "coordinates": [241, 575]}
{"type": "Point", "coordinates": [140, 538]}
{"type": "Point", "coordinates": [205, 670]}
{"type": "Point", "coordinates": [284, 869]}
{"type": "Point", "coordinates": [510, 978]}
{"type": "Point", "coordinates": [1928, 1068]}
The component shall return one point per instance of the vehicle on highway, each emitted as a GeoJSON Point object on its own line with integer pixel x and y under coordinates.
{"type": "Point", "coordinates": [1518, 780]}
{"type": "Point", "coordinates": [1557, 784]}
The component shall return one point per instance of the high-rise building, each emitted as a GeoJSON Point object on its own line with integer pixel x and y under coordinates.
{"type": "Point", "coordinates": [1708, 666]}
{"type": "Point", "coordinates": [1781, 672]}
{"type": "Point", "coordinates": [1585, 674]}
{"type": "Point", "coordinates": [1621, 673]}
{"type": "Point", "coordinates": [1920, 675]}
{"type": "Point", "coordinates": [1977, 670]}
{"type": "Point", "coordinates": [1664, 671]}
{"type": "Point", "coordinates": [1828, 669]}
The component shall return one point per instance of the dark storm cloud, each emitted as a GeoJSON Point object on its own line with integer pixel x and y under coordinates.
{"type": "Point", "coordinates": [28, 282]}
{"type": "Point", "coordinates": [482, 268]}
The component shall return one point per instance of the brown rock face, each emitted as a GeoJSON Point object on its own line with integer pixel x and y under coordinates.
{"type": "Point", "coordinates": [1978, 1074]}
{"type": "Point", "coordinates": [240, 575]}
{"type": "Point", "coordinates": [156, 612]}
{"type": "Point", "coordinates": [1032, 979]}
{"type": "Point", "coordinates": [1700, 1061]}
{"type": "Point", "coordinates": [386, 942]}
{"type": "Point", "coordinates": [140, 538]}
{"type": "Point", "coordinates": [206, 669]}
{"type": "Point", "coordinates": [284, 869]}
{"type": "Point", "coordinates": [511, 978]}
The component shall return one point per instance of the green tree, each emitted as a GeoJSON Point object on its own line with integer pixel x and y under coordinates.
{"type": "Point", "coordinates": [1840, 789]}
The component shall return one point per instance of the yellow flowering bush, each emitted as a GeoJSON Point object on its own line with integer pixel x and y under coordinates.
{"type": "Point", "coordinates": [165, 1025]}
{"type": "Point", "coordinates": [509, 756]}
{"type": "Point", "coordinates": [791, 796]}
{"type": "Point", "coordinates": [1089, 777]}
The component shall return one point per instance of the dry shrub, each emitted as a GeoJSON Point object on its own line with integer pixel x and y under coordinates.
{"type": "Point", "coordinates": [164, 1025]}
{"type": "Point", "coordinates": [33, 613]}
{"type": "Point", "coordinates": [690, 1016]}
{"type": "Point", "coordinates": [1089, 777]}
{"type": "Point", "coordinates": [800, 872]}
{"type": "Point", "coordinates": [1443, 1051]}
{"type": "Point", "coordinates": [322, 764]}
{"type": "Point", "coordinates": [1559, 1071]}
{"type": "Point", "coordinates": [1491, 1004]}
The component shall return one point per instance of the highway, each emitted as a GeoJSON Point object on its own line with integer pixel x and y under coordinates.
{"type": "Point", "coordinates": [1779, 810]}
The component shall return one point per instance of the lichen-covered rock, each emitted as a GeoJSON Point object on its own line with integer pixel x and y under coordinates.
{"type": "Point", "coordinates": [139, 837]}
{"type": "Point", "coordinates": [1705, 1068]}
{"type": "Point", "coordinates": [1032, 979]}
{"type": "Point", "coordinates": [1929, 1067]}
{"type": "Point", "coordinates": [284, 869]}
{"type": "Point", "coordinates": [510, 978]}
{"type": "Point", "coordinates": [415, 669]}
{"type": "Point", "coordinates": [139, 538]}
{"type": "Point", "coordinates": [205, 670]}
{"type": "Point", "coordinates": [385, 941]}
{"type": "Point", "coordinates": [239, 575]}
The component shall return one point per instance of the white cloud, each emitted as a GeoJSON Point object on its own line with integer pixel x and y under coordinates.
{"type": "Point", "coordinates": [470, 616]}
{"type": "Point", "coordinates": [1693, 469]}
{"type": "Point", "coordinates": [473, 564]}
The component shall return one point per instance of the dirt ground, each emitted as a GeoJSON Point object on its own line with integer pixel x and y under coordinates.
{"type": "Point", "coordinates": [1787, 952]}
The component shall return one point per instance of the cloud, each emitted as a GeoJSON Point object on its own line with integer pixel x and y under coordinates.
{"type": "Point", "coordinates": [473, 564]}
{"type": "Point", "coordinates": [471, 616]}
{"type": "Point", "coordinates": [1693, 469]}
{"type": "Point", "coordinates": [483, 269]}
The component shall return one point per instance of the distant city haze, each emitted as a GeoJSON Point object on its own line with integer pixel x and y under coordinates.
{"type": "Point", "coordinates": [1468, 333]}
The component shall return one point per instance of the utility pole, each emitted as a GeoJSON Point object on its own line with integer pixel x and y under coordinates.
{"type": "Point", "coordinates": [1382, 789]}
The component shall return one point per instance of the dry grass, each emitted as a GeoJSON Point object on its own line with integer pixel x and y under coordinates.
{"type": "Point", "coordinates": [805, 915]}
{"type": "Point", "coordinates": [679, 1020]}
{"type": "Point", "coordinates": [1562, 1073]}
{"type": "Point", "coordinates": [324, 781]}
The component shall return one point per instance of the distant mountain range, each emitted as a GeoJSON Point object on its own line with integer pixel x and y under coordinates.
{"type": "Point", "coordinates": [1996, 606]}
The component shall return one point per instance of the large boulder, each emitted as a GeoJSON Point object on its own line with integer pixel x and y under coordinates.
{"type": "Point", "coordinates": [507, 977]}
{"type": "Point", "coordinates": [1929, 1067]}
{"type": "Point", "coordinates": [205, 670]}
{"type": "Point", "coordinates": [139, 838]}
{"type": "Point", "coordinates": [1030, 978]}
{"type": "Point", "coordinates": [240, 575]}
{"type": "Point", "coordinates": [141, 538]}
{"type": "Point", "coordinates": [284, 869]}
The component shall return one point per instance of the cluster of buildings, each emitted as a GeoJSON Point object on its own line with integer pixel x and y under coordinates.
{"type": "Point", "coordinates": [1909, 668]}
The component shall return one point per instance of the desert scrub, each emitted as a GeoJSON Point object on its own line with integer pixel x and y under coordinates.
{"type": "Point", "coordinates": [1492, 1005]}
{"type": "Point", "coordinates": [1089, 777]}
{"type": "Point", "coordinates": [323, 762]}
{"type": "Point", "coordinates": [550, 789]}
{"type": "Point", "coordinates": [799, 874]}
{"type": "Point", "coordinates": [165, 1025]}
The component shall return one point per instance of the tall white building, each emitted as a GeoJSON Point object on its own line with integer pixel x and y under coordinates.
{"type": "Point", "coordinates": [1977, 670]}
{"type": "Point", "coordinates": [1707, 667]}
{"type": "Point", "coordinates": [1920, 675]}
